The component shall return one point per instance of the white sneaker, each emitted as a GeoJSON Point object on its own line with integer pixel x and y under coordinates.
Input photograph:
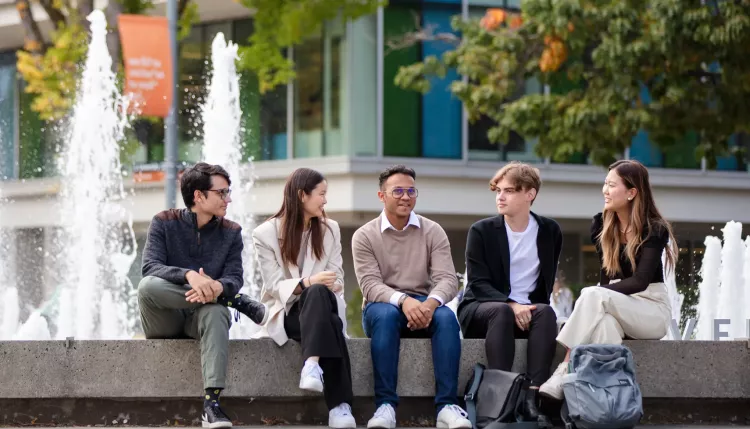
{"type": "Point", "coordinates": [453, 417]}
{"type": "Point", "coordinates": [341, 417]}
{"type": "Point", "coordinates": [385, 418]}
{"type": "Point", "coordinates": [553, 387]}
{"type": "Point", "coordinates": [312, 377]}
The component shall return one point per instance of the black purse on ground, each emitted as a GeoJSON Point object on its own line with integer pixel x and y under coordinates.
{"type": "Point", "coordinates": [494, 399]}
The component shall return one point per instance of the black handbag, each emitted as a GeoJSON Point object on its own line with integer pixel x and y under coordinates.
{"type": "Point", "coordinates": [494, 399]}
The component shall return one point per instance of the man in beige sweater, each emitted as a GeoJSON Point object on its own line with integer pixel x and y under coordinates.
{"type": "Point", "coordinates": [404, 267]}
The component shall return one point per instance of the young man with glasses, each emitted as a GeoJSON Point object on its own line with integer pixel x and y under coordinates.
{"type": "Point", "coordinates": [404, 267]}
{"type": "Point", "coordinates": [192, 271]}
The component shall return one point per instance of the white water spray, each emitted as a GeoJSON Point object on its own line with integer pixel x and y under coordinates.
{"type": "Point", "coordinates": [222, 124]}
{"type": "Point", "coordinates": [731, 293]}
{"type": "Point", "coordinates": [709, 288]}
{"type": "Point", "coordinates": [97, 237]}
{"type": "Point", "coordinates": [675, 297]}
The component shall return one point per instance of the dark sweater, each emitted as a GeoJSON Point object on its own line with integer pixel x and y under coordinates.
{"type": "Point", "coordinates": [488, 264]}
{"type": "Point", "coordinates": [648, 268]}
{"type": "Point", "coordinates": [175, 245]}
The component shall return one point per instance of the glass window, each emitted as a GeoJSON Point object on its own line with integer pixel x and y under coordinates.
{"type": "Point", "coordinates": [317, 93]}
{"type": "Point", "coordinates": [264, 119]}
{"type": "Point", "coordinates": [308, 98]}
{"type": "Point", "coordinates": [401, 107]}
{"type": "Point", "coordinates": [8, 84]}
{"type": "Point", "coordinates": [737, 162]}
{"type": "Point", "coordinates": [37, 141]}
{"type": "Point", "coordinates": [359, 116]}
{"type": "Point", "coordinates": [191, 93]}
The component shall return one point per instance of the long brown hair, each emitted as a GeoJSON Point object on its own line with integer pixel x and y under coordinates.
{"type": "Point", "coordinates": [292, 216]}
{"type": "Point", "coordinates": [644, 216]}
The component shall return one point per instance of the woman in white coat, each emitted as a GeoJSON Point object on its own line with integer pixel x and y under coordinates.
{"type": "Point", "coordinates": [298, 251]}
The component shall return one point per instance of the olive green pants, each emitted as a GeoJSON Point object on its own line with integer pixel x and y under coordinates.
{"type": "Point", "coordinates": [166, 314]}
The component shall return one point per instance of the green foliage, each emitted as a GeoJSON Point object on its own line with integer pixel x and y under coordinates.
{"type": "Point", "coordinates": [354, 314]}
{"type": "Point", "coordinates": [187, 19]}
{"type": "Point", "coordinates": [52, 71]}
{"type": "Point", "coordinates": [52, 76]}
{"type": "Point", "coordinates": [608, 51]}
{"type": "Point", "coordinates": [280, 24]}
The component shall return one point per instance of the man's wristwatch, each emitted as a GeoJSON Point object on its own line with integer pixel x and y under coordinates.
{"type": "Point", "coordinates": [401, 300]}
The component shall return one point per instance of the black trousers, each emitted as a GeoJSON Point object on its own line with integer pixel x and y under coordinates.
{"type": "Point", "coordinates": [314, 321]}
{"type": "Point", "coordinates": [496, 323]}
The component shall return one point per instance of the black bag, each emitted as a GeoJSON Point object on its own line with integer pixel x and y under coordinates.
{"type": "Point", "coordinates": [494, 399]}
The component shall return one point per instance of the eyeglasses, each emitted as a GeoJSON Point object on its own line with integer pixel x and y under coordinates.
{"type": "Point", "coordinates": [399, 192]}
{"type": "Point", "coordinates": [223, 193]}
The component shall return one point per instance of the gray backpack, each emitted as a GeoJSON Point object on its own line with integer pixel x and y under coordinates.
{"type": "Point", "coordinates": [600, 389]}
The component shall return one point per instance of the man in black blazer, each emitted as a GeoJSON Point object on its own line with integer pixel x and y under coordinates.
{"type": "Point", "coordinates": [511, 262]}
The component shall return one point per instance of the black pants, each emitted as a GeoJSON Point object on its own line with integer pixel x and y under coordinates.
{"type": "Point", "coordinates": [314, 321]}
{"type": "Point", "coordinates": [496, 322]}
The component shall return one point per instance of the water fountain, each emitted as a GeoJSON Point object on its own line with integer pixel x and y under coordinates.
{"type": "Point", "coordinates": [10, 306]}
{"type": "Point", "coordinates": [675, 297]}
{"type": "Point", "coordinates": [222, 125]}
{"type": "Point", "coordinates": [725, 283]}
{"type": "Point", "coordinates": [95, 299]}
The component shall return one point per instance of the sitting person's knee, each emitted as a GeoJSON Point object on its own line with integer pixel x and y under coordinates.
{"type": "Point", "coordinates": [317, 288]}
{"type": "Point", "coordinates": [545, 311]}
{"type": "Point", "coordinates": [444, 317]}
{"type": "Point", "coordinates": [214, 312]}
{"type": "Point", "coordinates": [148, 285]}
{"type": "Point", "coordinates": [379, 313]}
{"type": "Point", "coordinates": [501, 313]}
{"type": "Point", "coordinates": [591, 292]}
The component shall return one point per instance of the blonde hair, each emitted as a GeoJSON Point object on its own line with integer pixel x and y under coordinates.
{"type": "Point", "coordinates": [644, 216]}
{"type": "Point", "coordinates": [522, 176]}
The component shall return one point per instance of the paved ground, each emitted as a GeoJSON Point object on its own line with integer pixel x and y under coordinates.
{"type": "Point", "coordinates": [319, 427]}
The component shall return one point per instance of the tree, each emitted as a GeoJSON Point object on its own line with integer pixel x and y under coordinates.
{"type": "Point", "coordinates": [689, 57]}
{"type": "Point", "coordinates": [50, 67]}
{"type": "Point", "coordinates": [280, 24]}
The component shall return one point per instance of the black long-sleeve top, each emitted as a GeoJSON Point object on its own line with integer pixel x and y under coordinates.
{"type": "Point", "coordinates": [649, 268]}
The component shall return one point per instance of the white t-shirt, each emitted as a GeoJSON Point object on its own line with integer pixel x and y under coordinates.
{"type": "Point", "coordinates": [524, 261]}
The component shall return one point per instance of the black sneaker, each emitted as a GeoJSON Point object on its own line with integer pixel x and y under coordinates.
{"type": "Point", "coordinates": [214, 417]}
{"type": "Point", "coordinates": [247, 306]}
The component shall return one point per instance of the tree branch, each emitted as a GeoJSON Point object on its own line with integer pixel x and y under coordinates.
{"type": "Point", "coordinates": [33, 40]}
{"type": "Point", "coordinates": [181, 7]}
{"type": "Point", "coordinates": [421, 34]}
{"type": "Point", "coordinates": [55, 14]}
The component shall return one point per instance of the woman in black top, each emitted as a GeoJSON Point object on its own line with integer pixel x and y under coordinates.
{"type": "Point", "coordinates": [631, 300]}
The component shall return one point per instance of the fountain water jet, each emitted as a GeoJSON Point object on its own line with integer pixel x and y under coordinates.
{"type": "Point", "coordinates": [675, 297]}
{"type": "Point", "coordinates": [222, 124]}
{"type": "Point", "coordinates": [731, 293]}
{"type": "Point", "coordinates": [97, 238]}
{"type": "Point", "coordinates": [709, 288]}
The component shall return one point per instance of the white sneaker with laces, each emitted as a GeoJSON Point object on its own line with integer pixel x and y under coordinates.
{"type": "Point", "coordinates": [553, 387]}
{"type": "Point", "coordinates": [384, 417]}
{"type": "Point", "coordinates": [312, 377]}
{"type": "Point", "coordinates": [453, 417]}
{"type": "Point", "coordinates": [341, 417]}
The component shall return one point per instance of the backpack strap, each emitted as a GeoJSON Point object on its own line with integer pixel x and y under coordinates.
{"type": "Point", "coordinates": [471, 396]}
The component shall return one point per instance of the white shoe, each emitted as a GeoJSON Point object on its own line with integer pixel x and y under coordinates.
{"type": "Point", "coordinates": [453, 417]}
{"type": "Point", "coordinates": [385, 418]}
{"type": "Point", "coordinates": [341, 417]}
{"type": "Point", "coordinates": [312, 377]}
{"type": "Point", "coordinates": [553, 387]}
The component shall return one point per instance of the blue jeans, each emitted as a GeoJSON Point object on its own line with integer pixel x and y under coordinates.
{"type": "Point", "coordinates": [385, 324]}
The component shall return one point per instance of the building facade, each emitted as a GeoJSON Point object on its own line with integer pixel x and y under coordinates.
{"type": "Point", "coordinates": [344, 116]}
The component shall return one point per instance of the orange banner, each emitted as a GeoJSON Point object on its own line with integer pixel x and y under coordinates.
{"type": "Point", "coordinates": [148, 66]}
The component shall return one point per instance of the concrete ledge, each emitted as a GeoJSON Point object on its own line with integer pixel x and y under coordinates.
{"type": "Point", "coordinates": [259, 369]}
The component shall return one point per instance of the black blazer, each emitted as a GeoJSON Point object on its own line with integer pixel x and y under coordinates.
{"type": "Point", "coordinates": [488, 264]}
